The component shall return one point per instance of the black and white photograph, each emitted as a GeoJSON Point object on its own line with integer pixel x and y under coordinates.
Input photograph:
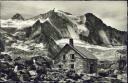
{"type": "Point", "coordinates": [63, 41]}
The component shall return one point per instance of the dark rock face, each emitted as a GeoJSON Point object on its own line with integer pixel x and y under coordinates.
{"type": "Point", "coordinates": [17, 17]}
{"type": "Point", "coordinates": [50, 44]}
{"type": "Point", "coordinates": [57, 22]}
{"type": "Point", "coordinates": [47, 34]}
{"type": "Point", "coordinates": [2, 46]}
{"type": "Point", "coordinates": [45, 28]}
{"type": "Point", "coordinates": [101, 34]}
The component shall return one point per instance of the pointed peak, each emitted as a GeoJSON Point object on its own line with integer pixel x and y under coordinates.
{"type": "Point", "coordinates": [64, 12]}
{"type": "Point", "coordinates": [53, 9]}
{"type": "Point", "coordinates": [92, 18]}
{"type": "Point", "coordinates": [17, 16]}
{"type": "Point", "coordinates": [89, 14]}
{"type": "Point", "coordinates": [37, 22]}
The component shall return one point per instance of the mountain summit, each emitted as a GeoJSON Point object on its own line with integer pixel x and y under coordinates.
{"type": "Point", "coordinates": [101, 34]}
{"type": "Point", "coordinates": [17, 17]}
{"type": "Point", "coordinates": [46, 34]}
{"type": "Point", "coordinates": [59, 24]}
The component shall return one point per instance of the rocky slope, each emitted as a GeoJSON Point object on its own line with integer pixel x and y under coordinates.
{"type": "Point", "coordinates": [2, 47]}
{"type": "Point", "coordinates": [41, 33]}
{"type": "Point", "coordinates": [44, 28]}
{"type": "Point", "coordinates": [86, 27]}
{"type": "Point", "coordinates": [18, 44]}
{"type": "Point", "coordinates": [101, 34]}
{"type": "Point", "coordinates": [58, 22]}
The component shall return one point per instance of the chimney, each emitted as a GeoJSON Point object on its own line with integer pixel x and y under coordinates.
{"type": "Point", "coordinates": [71, 42]}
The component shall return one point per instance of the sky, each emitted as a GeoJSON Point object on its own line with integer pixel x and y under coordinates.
{"type": "Point", "coordinates": [113, 13]}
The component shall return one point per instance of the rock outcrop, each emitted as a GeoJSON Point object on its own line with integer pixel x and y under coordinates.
{"type": "Point", "coordinates": [2, 46]}
{"type": "Point", "coordinates": [17, 17]}
{"type": "Point", "coordinates": [101, 34]}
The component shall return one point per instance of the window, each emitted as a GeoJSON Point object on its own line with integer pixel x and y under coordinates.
{"type": "Point", "coordinates": [64, 58]}
{"type": "Point", "coordinates": [60, 66]}
{"type": "Point", "coordinates": [72, 66]}
{"type": "Point", "coordinates": [72, 56]}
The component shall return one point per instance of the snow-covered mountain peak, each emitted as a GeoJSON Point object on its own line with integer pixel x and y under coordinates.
{"type": "Point", "coordinates": [86, 27]}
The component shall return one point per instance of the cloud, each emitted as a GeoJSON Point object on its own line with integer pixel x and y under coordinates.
{"type": "Point", "coordinates": [113, 13]}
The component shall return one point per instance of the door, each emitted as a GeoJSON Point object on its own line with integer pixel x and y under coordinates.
{"type": "Point", "coordinates": [92, 68]}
